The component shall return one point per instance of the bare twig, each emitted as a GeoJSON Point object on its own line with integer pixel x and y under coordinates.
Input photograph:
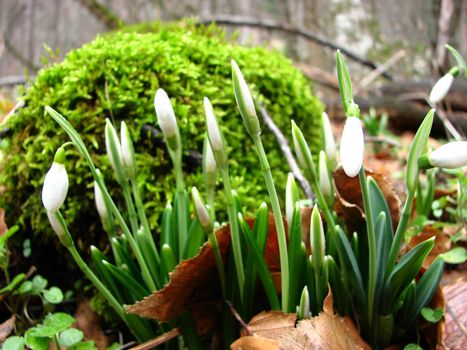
{"type": "Point", "coordinates": [239, 318]}
{"type": "Point", "coordinates": [380, 70]}
{"type": "Point", "coordinates": [102, 12]}
{"type": "Point", "coordinates": [287, 151]}
{"type": "Point", "coordinates": [443, 116]}
{"type": "Point", "coordinates": [162, 339]}
{"type": "Point", "coordinates": [14, 80]}
{"type": "Point", "coordinates": [284, 27]}
{"type": "Point", "coordinates": [444, 25]}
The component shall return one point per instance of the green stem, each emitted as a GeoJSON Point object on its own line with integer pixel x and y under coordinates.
{"type": "Point", "coordinates": [276, 209]}
{"type": "Point", "coordinates": [188, 328]}
{"type": "Point", "coordinates": [234, 233]}
{"type": "Point", "coordinates": [371, 249]}
{"type": "Point", "coordinates": [78, 142]}
{"type": "Point", "coordinates": [400, 232]}
{"type": "Point", "coordinates": [130, 207]}
{"type": "Point", "coordinates": [144, 220]}
{"type": "Point", "coordinates": [181, 205]}
{"type": "Point", "coordinates": [219, 261]}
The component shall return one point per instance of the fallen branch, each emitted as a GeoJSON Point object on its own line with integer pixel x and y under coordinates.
{"type": "Point", "coordinates": [162, 339]}
{"type": "Point", "coordinates": [284, 145]}
{"type": "Point", "coordinates": [267, 24]}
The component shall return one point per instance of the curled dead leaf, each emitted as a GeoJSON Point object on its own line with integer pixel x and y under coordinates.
{"type": "Point", "coordinates": [195, 281]}
{"type": "Point", "coordinates": [349, 201]}
{"type": "Point", "coordinates": [326, 331]}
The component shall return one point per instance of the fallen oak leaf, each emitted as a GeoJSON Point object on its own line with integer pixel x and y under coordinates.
{"type": "Point", "coordinates": [349, 202]}
{"type": "Point", "coordinates": [189, 280]}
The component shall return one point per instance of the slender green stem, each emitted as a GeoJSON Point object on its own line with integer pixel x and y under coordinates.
{"type": "Point", "coordinates": [181, 205]}
{"type": "Point", "coordinates": [371, 249]}
{"type": "Point", "coordinates": [130, 207]}
{"type": "Point", "coordinates": [234, 233]}
{"type": "Point", "coordinates": [276, 210]}
{"type": "Point", "coordinates": [219, 261]}
{"type": "Point", "coordinates": [78, 142]}
{"type": "Point", "coordinates": [144, 220]}
{"type": "Point", "coordinates": [400, 232]}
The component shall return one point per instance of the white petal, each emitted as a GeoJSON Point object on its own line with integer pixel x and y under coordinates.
{"type": "Point", "coordinates": [55, 187]}
{"type": "Point", "coordinates": [451, 155]}
{"type": "Point", "coordinates": [441, 88]}
{"type": "Point", "coordinates": [324, 180]}
{"type": "Point", "coordinates": [165, 114]}
{"type": "Point", "coordinates": [215, 138]}
{"type": "Point", "coordinates": [329, 143]}
{"type": "Point", "coordinates": [127, 155]}
{"type": "Point", "coordinates": [209, 162]}
{"type": "Point", "coordinates": [201, 211]}
{"type": "Point", "coordinates": [352, 146]}
{"type": "Point", "coordinates": [56, 226]}
{"type": "Point", "coordinates": [99, 199]}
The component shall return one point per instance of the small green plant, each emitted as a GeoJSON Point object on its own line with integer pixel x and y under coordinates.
{"type": "Point", "coordinates": [55, 329]}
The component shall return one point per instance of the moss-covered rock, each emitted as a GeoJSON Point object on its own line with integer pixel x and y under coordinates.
{"type": "Point", "coordinates": [116, 76]}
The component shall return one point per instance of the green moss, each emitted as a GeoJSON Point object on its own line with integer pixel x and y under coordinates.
{"type": "Point", "coordinates": [116, 76]}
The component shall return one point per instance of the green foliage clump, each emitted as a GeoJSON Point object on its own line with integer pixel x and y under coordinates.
{"type": "Point", "coordinates": [116, 76]}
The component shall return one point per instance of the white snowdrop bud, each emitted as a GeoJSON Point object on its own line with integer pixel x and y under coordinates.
{"type": "Point", "coordinates": [352, 146]}
{"type": "Point", "coordinates": [55, 185]}
{"type": "Point", "coordinates": [441, 88]}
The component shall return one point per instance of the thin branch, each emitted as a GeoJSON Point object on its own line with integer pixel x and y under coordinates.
{"type": "Point", "coordinates": [283, 143]}
{"type": "Point", "coordinates": [162, 339]}
{"type": "Point", "coordinates": [272, 25]}
{"type": "Point", "coordinates": [443, 116]}
{"type": "Point", "coordinates": [103, 13]}
{"type": "Point", "coordinates": [239, 319]}
{"type": "Point", "coordinates": [14, 80]}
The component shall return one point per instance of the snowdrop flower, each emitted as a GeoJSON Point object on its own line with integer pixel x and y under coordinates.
{"type": "Point", "coordinates": [99, 199]}
{"type": "Point", "coordinates": [112, 146]}
{"type": "Point", "coordinates": [451, 155]}
{"type": "Point", "coordinates": [441, 88]}
{"type": "Point", "coordinates": [55, 185]}
{"type": "Point", "coordinates": [209, 160]}
{"type": "Point", "coordinates": [214, 133]}
{"type": "Point", "coordinates": [201, 211]}
{"type": "Point", "coordinates": [352, 146]}
{"type": "Point", "coordinates": [329, 143]}
{"type": "Point", "coordinates": [165, 114]}
{"type": "Point", "coordinates": [245, 102]}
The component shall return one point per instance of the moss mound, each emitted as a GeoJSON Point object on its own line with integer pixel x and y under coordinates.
{"type": "Point", "coordinates": [116, 76]}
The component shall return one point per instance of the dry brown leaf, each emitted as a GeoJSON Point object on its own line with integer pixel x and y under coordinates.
{"type": "Point", "coordinates": [88, 321]}
{"type": "Point", "coordinates": [349, 201]}
{"type": "Point", "coordinates": [3, 226]}
{"type": "Point", "coordinates": [456, 314]}
{"type": "Point", "coordinates": [442, 243]}
{"type": "Point", "coordinates": [326, 331]}
{"type": "Point", "coordinates": [6, 328]}
{"type": "Point", "coordinates": [255, 343]}
{"type": "Point", "coordinates": [195, 281]}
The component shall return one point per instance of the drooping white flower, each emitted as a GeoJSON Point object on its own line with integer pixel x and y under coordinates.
{"type": "Point", "coordinates": [451, 155]}
{"type": "Point", "coordinates": [329, 143]}
{"type": "Point", "coordinates": [441, 88]}
{"type": "Point", "coordinates": [55, 185]}
{"type": "Point", "coordinates": [215, 137]}
{"type": "Point", "coordinates": [165, 114]}
{"type": "Point", "coordinates": [352, 146]}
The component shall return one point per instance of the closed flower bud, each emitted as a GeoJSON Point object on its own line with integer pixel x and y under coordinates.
{"type": "Point", "coordinates": [451, 155]}
{"type": "Point", "coordinates": [304, 307]}
{"type": "Point", "coordinates": [201, 211]}
{"type": "Point", "coordinates": [113, 146]}
{"type": "Point", "coordinates": [209, 160]}
{"type": "Point", "coordinates": [128, 152]}
{"type": "Point", "coordinates": [55, 185]}
{"type": "Point", "coordinates": [245, 102]}
{"type": "Point", "coordinates": [214, 133]}
{"type": "Point", "coordinates": [329, 143]}
{"type": "Point", "coordinates": [165, 114]}
{"type": "Point", "coordinates": [441, 88]}
{"type": "Point", "coordinates": [352, 146]}
{"type": "Point", "coordinates": [99, 199]}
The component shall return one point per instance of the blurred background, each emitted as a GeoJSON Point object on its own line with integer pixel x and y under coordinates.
{"type": "Point", "coordinates": [409, 36]}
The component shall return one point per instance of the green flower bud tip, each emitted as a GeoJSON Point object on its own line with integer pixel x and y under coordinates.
{"type": "Point", "coordinates": [214, 134]}
{"type": "Point", "coordinates": [317, 239]}
{"type": "Point", "coordinates": [245, 101]}
{"type": "Point", "coordinates": [201, 211]}
{"type": "Point", "coordinates": [291, 198]}
{"type": "Point", "coordinates": [112, 145]}
{"type": "Point", "coordinates": [298, 141]}
{"type": "Point", "coordinates": [304, 308]}
{"type": "Point", "coordinates": [345, 85]}
{"type": "Point", "coordinates": [60, 156]}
